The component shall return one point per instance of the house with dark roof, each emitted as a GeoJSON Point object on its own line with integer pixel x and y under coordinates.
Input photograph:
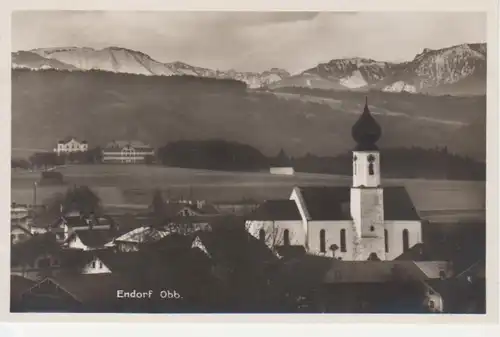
{"type": "Point", "coordinates": [36, 257]}
{"type": "Point", "coordinates": [19, 233]}
{"type": "Point", "coordinates": [72, 222]}
{"type": "Point", "coordinates": [358, 222]}
{"type": "Point", "coordinates": [131, 241]}
{"type": "Point", "coordinates": [75, 293]}
{"type": "Point", "coordinates": [229, 250]}
{"type": "Point", "coordinates": [331, 285]}
{"type": "Point", "coordinates": [90, 239]}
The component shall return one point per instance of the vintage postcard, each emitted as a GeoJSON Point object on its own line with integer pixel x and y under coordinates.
{"type": "Point", "coordinates": [252, 162]}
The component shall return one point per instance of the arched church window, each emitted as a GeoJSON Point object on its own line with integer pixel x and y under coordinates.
{"type": "Point", "coordinates": [343, 248]}
{"type": "Point", "coordinates": [386, 240]}
{"type": "Point", "coordinates": [262, 235]}
{"type": "Point", "coordinates": [406, 242]}
{"type": "Point", "coordinates": [286, 237]}
{"type": "Point", "coordinates": [371, 160]}
{"type": "Point", "coordinates": [322, 243]}
{"type": "Point", "coordinates": [354, 166]}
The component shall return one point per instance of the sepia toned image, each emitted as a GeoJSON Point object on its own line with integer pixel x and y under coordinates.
{"type": "Point", "coordinates": [248, 162]}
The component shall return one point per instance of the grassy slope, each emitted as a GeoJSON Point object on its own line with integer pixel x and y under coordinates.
{"type": "Point", "coordinates": [100, 107]}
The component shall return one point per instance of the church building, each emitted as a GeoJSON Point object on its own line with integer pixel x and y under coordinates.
{"type": "Point", "coordinates": [354, 223]}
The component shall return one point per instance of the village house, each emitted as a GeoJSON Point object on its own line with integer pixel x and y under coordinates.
{"type": "Point", "coordinates": [74, 293]}
{"type": "Point", "coordinates": [74, 221]}
{"type": "Point", "coordinates": [71, 145]}
{"type": "Point", "coordinates": [19, 211]}
{"type": "Point", "coordinates": [36, 257]}
{"type": "Point", "coordinates": [109, 261]}
{"type": "Point", "coordinates": [133, 239]}
{"type": "Point", "coordinates": [127, 152]}
{"type": "Point", "coordinates": [19, 234]}
{"type": "Point", "coordinates": [322, 284]}
{"type": "Point", "coordinates": [89, 239]}
{"type": "Point", "coordinates": [352, 223]}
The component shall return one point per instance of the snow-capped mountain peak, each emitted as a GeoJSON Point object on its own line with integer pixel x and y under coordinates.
{"type": "Point", "coordinates": [124, 60]}
{"type": "Point", "coordinates": [457, 69]}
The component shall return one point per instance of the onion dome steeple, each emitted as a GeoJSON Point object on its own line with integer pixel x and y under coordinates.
{"type": "Point", "coordinates": [366, 131]}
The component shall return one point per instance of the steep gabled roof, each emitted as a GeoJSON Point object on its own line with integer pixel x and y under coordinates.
{"type": "Point", "coordinates": [333, 203]}
{"type": "Point", "coordinates": [95, 238]}
{"type": "Point", "coordinates": [234, 247]}
{"type": "Point", "coordinates": [478, 269]}
{"type": "Point", "coordinates": [18, 285]}
{"type": "Point", "coordinates": [142, 234]}
{"type": "Point", "coordinates": [327, 203]}
{"type": "Point", "coordinates": [438, 252]}
{"type": "Point", "coordinates": [87, 288]}
{"type": "Point", "coordinates": [21, 227]}
{"type": "Point", "coordinates": [276, 210]}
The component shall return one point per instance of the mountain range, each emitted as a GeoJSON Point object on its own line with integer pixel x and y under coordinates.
{"type": "Point", "coordinates": [122, 60]}
{"type": "Point", "coordinates": [456, 70]}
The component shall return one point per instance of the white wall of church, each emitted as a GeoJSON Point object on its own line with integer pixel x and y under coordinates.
{"type": "Point", "coordinates": [297, 197]}
{"type": "Point", "coordinates": [395, 231]}
{"type": "Point", "coordinates": [275, 231]}
{"type": "Point", "coordinates": [332, 236]}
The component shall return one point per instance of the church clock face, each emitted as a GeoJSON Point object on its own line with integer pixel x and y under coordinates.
{"type": "Point", "coordinates": [371, 158]}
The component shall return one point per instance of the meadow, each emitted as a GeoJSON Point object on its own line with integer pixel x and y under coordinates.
{"type": "Point", "coordinates": [132, 186]}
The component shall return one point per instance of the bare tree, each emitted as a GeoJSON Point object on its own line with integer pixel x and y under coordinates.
{"type": "Point", "coordinates": [273, 236]}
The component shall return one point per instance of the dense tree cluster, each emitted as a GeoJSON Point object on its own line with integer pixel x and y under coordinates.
{"type": "Point", "coordinates": [212, 154]}
{"type": "Point", "coordinates": [412, 162]}
{"type": "Point", "coordinates": [179, 83]}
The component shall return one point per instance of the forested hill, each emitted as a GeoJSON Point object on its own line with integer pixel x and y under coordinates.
{"type": "Point", "coordinates": [100, 107]}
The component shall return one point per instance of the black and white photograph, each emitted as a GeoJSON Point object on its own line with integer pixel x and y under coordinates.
{"type": "Point", "coordinates": [248, 162]}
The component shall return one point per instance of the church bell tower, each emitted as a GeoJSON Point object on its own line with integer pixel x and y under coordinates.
{"type": "Point", "coordinates": [367, 200]}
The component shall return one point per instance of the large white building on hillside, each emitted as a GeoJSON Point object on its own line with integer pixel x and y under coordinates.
{"type": "Point", "coordinates": [126, 152]}
{"type": "Point", "coordinates": [360, 222]}
{"type": "Point", "coordinates": [71, 145]}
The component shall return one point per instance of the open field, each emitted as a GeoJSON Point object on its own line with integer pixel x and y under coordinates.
{"type": "Point", "coordinates": [133, 185]}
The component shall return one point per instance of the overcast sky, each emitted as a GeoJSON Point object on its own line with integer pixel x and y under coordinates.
{"type": "Point", "coordinates": [251, 41]}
